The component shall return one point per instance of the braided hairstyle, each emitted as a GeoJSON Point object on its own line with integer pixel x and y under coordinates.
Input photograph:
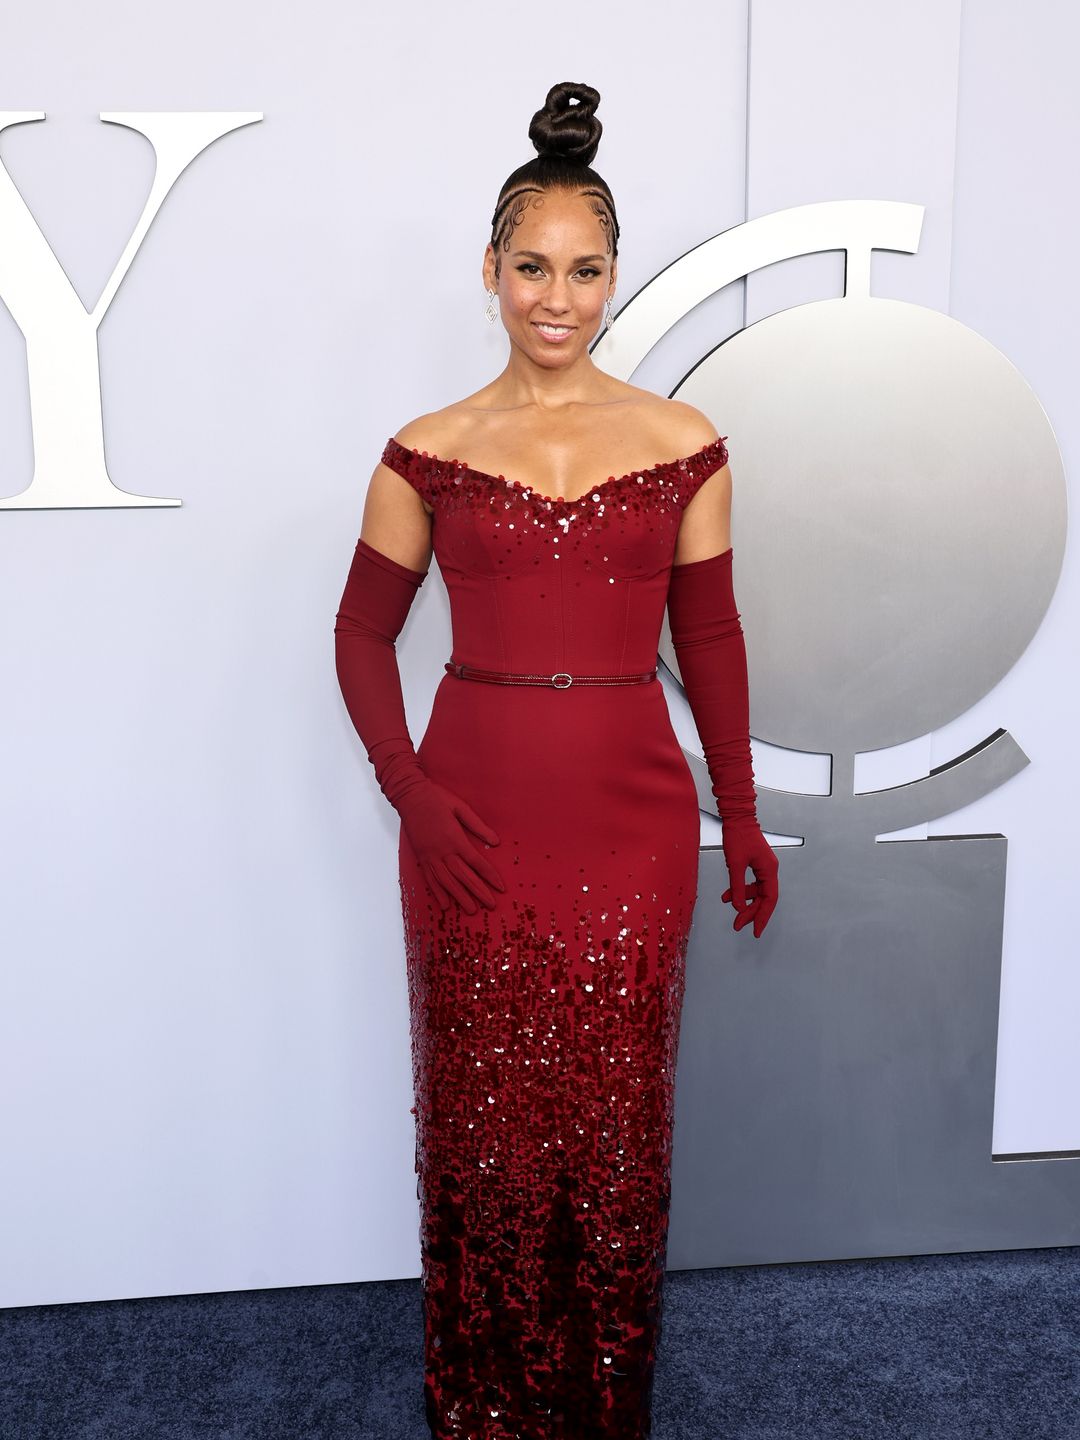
{"type": "Point", "coordinates": [566, 137]}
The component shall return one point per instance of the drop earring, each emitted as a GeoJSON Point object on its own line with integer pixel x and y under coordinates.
{"type": "Point", "coordinates": [607, 314]}
{"type": "Point", "coordinates": [491, 312]}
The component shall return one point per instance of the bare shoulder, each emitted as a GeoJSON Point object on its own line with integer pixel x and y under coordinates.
{"type": "Point", "coordinates": [439, 432]}
{"type": "Point", "coordinates": [685, 427]}
{"type": "Point", "coordinates": [425, 432]}
{"type": "Point", "coordinates": [665, 427]}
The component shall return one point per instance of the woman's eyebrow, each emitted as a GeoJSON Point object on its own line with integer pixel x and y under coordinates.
{"type": "Point", "coordinates": [539, 255]}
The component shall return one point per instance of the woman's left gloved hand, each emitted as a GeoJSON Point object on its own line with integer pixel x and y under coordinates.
{"type": "Point", "coordinates": [745, 847]}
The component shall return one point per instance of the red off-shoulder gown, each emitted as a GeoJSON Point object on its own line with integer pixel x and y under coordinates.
{"type": "Point", "coordinates": [545, 1031]}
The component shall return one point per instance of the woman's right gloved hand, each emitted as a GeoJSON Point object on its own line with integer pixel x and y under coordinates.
{"type": "Point", "coordinates": [439, 825]}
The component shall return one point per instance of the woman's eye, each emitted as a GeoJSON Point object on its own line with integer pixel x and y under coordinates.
{"type": "Point", "coordinates": [585, 269]}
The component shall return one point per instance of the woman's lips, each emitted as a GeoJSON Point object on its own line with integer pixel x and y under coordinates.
{"type": "Point", "coordinates": [553, 339]}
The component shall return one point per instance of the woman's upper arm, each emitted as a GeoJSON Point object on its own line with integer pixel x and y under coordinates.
{"type": "Point", "coordinates": [705, 528]}
{"type": "Point", "coordinates": [397, 518]}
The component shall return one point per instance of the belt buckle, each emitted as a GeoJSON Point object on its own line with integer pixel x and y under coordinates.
{"type": "Point", "coordinates": [562, 675]}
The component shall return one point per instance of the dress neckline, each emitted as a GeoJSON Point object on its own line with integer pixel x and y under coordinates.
{"type": "Point", "coordinates": [704, 454]}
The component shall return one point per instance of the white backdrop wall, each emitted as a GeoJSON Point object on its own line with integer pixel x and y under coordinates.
{"type": "Point", "coordinates": [204, 1029]}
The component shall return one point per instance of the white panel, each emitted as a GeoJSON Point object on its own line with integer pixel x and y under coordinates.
{"type": "Point", "coordinates": [204, 1045]}
{"type": "Point", "coordinates": [1015, 280]}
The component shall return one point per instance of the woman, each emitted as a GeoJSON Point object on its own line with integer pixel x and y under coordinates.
{"type": "Point", "coordinates": [549, 821]}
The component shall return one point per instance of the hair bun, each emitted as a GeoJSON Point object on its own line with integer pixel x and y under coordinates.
{"type": "Point", "coordinates": [565, 131]}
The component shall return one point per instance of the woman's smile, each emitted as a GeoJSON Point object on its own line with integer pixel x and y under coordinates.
{"type": "Point", "coordinates": [553, 333]}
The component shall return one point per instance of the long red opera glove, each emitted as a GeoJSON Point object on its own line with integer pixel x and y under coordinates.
{"type": "Point", "coordinates": [707, 636]}
{"type": "Point", "coordinates": [378, 595]}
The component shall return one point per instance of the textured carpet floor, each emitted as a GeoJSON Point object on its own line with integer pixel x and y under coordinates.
{"type": "Point", "coordinates": [932, 1347]}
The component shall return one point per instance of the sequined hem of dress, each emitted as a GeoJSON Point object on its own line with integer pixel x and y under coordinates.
{"type": "Point", "coordinates": [544, 1065]}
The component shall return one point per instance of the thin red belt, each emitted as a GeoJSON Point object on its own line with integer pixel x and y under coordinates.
{"type": "Point", "coordinates": [561, 680]}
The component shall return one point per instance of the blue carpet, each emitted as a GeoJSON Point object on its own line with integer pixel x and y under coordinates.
{"type": "Point", "coordinates": [930, 1347]}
